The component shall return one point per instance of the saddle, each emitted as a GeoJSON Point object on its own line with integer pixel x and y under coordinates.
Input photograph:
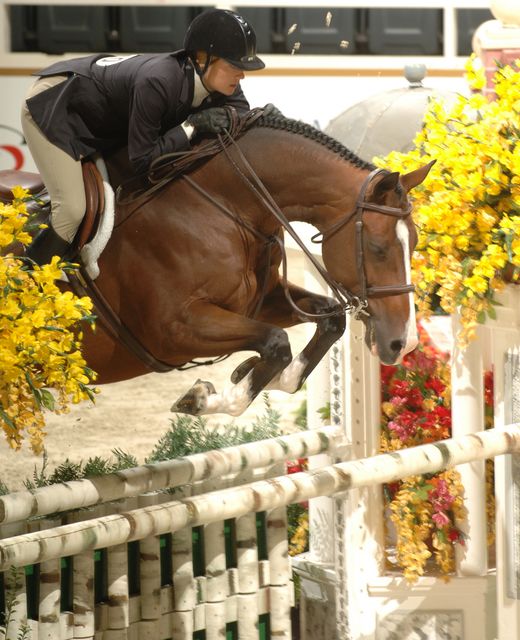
{"type": "Point", "coordinates": [40, 202]}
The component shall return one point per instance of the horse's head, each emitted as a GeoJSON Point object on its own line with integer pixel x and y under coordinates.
{"type": "Point", "coordinates": [368, 251]}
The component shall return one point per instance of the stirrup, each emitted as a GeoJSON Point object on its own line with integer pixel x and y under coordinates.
{"type": "Point", "coordinates": [45, 245]}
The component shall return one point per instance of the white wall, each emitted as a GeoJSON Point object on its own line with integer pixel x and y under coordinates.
{"type": "Point", "coordinates": [318, 99]}
{"type": "Point", "coordinates": [13, 154]}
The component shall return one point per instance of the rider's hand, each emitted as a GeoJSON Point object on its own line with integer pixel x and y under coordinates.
{"type": "Point", "coordinates": [271, 110]}
{"type": "Point", "coordinates": [214, 120]}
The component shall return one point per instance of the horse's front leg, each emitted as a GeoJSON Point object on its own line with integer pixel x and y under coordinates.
{"type": "Point", "coordinates": [215, 331]}
{"type": "Point", "coordinates": [329, 328]}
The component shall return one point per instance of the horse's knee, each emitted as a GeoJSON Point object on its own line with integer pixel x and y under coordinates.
{"type": "Point", "coordinates": [277, 347]}
{"type": "Point", "coordinates": [335, 324]}
{"type": "Point", "coordinates": [333, 321]}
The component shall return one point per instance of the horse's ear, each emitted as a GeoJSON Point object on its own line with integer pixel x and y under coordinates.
{"type": "Point", "coordinates": [412, 179]}
{"type": "Point", "coordinates": [388, 183]}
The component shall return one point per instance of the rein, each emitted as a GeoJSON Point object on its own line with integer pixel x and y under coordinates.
{"type": "Point", "coordinates": [172, 165]}
{"type": "Point", "coordinates": [348, 302]}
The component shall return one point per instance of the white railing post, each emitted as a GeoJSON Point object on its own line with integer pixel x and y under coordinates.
{"type": "Point", "coordinates": [359, 514]}
{"type": "Point", "coordinates": [315, 568]}
{"type": "Point", "coordinates": [467, 406]}
{"type": "Point", "coordinates": [506, 349]}
{"type": "Point", "coordinates": [321, 510]}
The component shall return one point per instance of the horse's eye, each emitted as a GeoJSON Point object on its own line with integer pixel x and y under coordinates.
{"type": "Point", "coordinates": [379, 252]}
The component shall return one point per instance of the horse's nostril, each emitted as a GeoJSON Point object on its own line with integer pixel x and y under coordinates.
{"type": "Point", "coordinates": [397, 346]}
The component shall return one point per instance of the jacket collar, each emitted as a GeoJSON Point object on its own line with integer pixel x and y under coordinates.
{"type": "Point", "coordinates": [200, 93]}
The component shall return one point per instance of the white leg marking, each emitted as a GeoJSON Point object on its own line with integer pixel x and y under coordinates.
{"type": "Point", "coordinates": [411, 326]}
{"type": "Point", "coordinates": [233, 400]}
{"type": "Point", "coordinates": [288, 379]}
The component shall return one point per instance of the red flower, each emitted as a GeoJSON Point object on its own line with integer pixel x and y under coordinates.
{"type": "Point", "coordinates": [436, 385]}
{"type": "Point", "coordinates": [295, 466]}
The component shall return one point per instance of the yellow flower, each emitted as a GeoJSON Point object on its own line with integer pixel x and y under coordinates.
{"type": "Point", "coordinates": [468, 209]}
{"type": "Point", "coordinates": [38, 345]}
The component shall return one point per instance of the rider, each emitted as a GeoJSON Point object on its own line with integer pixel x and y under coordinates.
{"type": "Point", "coordinates": [153, 103]}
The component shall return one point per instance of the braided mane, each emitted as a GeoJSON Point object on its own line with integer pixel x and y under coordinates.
{"type": "Point", "coordinates": [308, 131]}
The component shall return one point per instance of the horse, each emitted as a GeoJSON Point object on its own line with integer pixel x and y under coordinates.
{"type": "Point", "coordinates": [192, 269]}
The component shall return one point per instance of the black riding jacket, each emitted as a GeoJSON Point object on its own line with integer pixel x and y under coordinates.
{"type": "Point", "coordinates": [109, 102]}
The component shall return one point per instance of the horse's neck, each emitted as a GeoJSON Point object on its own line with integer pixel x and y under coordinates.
{"type": "Point", "coordinates": [316, 192]}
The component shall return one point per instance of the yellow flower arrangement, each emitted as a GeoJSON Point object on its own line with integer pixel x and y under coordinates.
{"type": "Point", "coordinates": [468, 210]}
{"type": "Point", "coordinates": [40, 347]}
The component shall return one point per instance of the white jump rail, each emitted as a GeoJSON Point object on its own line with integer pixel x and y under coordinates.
{"type": "Point", "coordinates": [127, 483]}
{"type": "Point", "coordinates": [263, 495]}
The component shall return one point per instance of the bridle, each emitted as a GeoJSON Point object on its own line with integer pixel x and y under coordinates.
{"type": "Point", "coordinates": [357, 215]}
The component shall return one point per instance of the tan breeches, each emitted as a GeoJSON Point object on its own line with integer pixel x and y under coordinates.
{"type": "Point", "coordinates": [61, 174]}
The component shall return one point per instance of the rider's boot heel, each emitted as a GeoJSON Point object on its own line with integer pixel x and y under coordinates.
{"type": "Point", "coordinates": [46, 244]}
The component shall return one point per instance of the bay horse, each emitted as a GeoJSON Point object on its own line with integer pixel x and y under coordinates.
{"type": "Point", "coordinates": [194, 270]}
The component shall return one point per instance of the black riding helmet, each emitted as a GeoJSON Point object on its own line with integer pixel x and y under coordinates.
{"type": "Point", "coordinates": [224, 34]}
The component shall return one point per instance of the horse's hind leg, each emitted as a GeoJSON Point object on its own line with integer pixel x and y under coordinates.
{"type": "Point", "coordinates": [216, 331]}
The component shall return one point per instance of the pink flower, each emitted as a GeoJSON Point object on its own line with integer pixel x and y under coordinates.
{"type": "Point", "coordinates": [440, 519]}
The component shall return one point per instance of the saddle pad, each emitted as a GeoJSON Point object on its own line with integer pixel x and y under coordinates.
{"type": "Point", "coordinates": [91, 251]}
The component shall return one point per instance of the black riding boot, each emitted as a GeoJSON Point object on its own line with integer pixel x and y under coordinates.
{"type": "Point", "coordinates": [46, 244]}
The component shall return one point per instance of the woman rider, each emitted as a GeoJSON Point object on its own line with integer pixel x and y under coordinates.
{"type": "Point", "coordinates": [151, 103]}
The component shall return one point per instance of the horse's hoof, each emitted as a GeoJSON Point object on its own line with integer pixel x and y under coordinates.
{"type": "Point", "coordinates": [243, 369]}
{"type": "Point", "coordinates": [194, 402]}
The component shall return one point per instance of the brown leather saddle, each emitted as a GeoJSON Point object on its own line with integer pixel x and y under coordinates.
{"type": "Point", "coordinates": [94, 193]}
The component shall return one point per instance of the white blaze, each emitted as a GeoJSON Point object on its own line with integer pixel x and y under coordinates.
{"type": "Point", "coordinates": [411, 324]}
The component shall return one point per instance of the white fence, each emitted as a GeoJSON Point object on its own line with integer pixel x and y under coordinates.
{"type": "Point", "coordinates": [156, 565]}
{"type": "Point", "coordinates": [147, 582]}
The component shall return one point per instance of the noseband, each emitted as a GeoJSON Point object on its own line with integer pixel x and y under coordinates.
{"type": "Point", "coordinates": [361, 206]}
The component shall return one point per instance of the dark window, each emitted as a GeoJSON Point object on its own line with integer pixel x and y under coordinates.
{"type": "Point", "coordinates": [467, 22]}
{"type": "Point", "coordinates": [404, 31]}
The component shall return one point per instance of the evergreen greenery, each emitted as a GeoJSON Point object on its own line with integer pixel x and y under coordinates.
{"type": "Point", "coordinates": [69, 470]}
{"type": "Point", "coordinates": [189, 435]}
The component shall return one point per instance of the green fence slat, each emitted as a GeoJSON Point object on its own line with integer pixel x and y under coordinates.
{"type": "Point", "coordinates": [66, 584]}
{"type": "Point", "coordinates": [232, 631]}
{"type": "Point", "coordinates": [261, 535]}
{"type": "Point", "coordinates": [230, 541]}
{"type": "Point", "coordinates": [32, 586]}
{"type": "Point", "coordinates": [199, 560]}
{"type": "Point", "coordinates": [134, 568]}
{"type": "Point", "coordinates": [264, 627]}
{"type": "Point", "coordinates": [100, 576]}
{"type": "Point", "coordinates": [165, 546]}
